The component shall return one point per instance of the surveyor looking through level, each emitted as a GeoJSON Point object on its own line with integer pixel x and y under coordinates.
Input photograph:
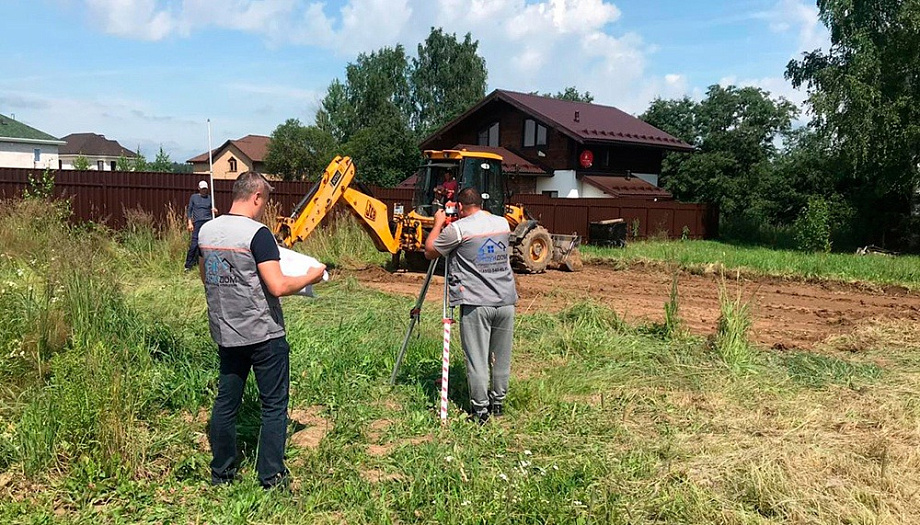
{"type": "Point", "coordinates": [481, 282]}
{"type": "Point", "coordinates": [241, 272]}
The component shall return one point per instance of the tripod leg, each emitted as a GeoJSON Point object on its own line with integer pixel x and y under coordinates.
{"type": "Point", "coordinates": [414, 315]}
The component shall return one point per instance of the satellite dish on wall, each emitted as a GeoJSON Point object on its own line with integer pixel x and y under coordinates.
{"type": "Point", "coordinates": [586, 159]}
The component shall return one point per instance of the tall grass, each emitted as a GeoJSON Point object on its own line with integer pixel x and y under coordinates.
{"type": "Point", "coordinates": [731, 341]}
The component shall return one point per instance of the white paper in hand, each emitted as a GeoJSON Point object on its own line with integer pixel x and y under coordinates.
{"type": "Point", "coordinates": [295, 264]}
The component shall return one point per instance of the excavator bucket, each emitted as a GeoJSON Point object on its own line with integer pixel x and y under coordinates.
{"type": "Point", "coordinates": [566, 255]}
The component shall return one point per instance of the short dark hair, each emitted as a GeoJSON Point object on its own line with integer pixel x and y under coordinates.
{"type": "Point", "coordinates": [470, 197]}
{"type": "Point", "coordinates": [248, 183]}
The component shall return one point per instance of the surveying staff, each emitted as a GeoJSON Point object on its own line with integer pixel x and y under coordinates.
{"type": "Point", "coordinates": [482, 284]}
{"type": "Point", "coordinates": [198, 212]}
{"type": "Point", "coordinates": [242, 278]}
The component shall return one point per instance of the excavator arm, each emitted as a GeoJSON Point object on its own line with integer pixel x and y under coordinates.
{"type": "Point", "coordinates": [335, 185]}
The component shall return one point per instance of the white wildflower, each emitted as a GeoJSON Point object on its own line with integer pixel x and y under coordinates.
{"type": "Point", "coordinates": [448, 458]}
{"type": "Point", "coordinates": [19, 272]}
{"type": "Point", "coordinates": [465, 503]}
{"type": "Point", "coordinates": [503, 477]}
{"type": "Point", "coordinates": [527, 452]}
{"type": "Point", "coordinates": [555, 467]}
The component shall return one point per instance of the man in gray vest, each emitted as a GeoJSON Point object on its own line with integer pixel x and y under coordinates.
{"type": "Point", "coordinates": [242, 278]}
{"type": "Point", "coordinates": [481, 282]}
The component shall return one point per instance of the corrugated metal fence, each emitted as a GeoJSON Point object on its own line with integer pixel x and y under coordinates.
{"type": "Point", "coordinates": [105, 196]}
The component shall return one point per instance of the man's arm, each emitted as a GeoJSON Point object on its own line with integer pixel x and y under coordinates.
{"type": "Point", "coordinates": [280, 285]}
{"type": "Point", "coordinates": [439, 219]}
{"type": "Point", "coordinates": [188, 214]}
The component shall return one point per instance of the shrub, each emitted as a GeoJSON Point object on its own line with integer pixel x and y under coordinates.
{"type": "Point", "coordinates": [813, 227]}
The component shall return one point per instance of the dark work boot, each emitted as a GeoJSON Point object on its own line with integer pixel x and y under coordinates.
{"type": "Point", "coordinates": [496, 410]}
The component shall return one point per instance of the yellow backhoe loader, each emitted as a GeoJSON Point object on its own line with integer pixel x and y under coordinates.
{"type": "Point", "coordinates": [403, 232]}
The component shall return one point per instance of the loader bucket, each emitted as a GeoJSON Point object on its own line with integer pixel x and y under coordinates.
{"type": "Point", "coordinates": [566, 255]}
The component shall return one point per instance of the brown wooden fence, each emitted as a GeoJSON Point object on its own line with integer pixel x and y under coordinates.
{"type": "Point", "coordinates": [105, 196]}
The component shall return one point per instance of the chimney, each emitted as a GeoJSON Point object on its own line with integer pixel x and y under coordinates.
{"type": "Point", "coordinates": [577, 117]}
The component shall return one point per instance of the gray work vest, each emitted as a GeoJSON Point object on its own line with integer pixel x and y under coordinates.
{"type": "Point", "coordinates": [240, 310]}
{"type": "Point", "coordinates": [480, 267]}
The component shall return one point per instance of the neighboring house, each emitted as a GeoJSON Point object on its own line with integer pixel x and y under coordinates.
{"type": "Point", "coordinates": [234, 157]}
{"type": "Point", "coordinates": [101, 153]}
{"type": "Point", "coordinates": [563, 148]}
{"type": "Point", "coordinates": [23, 146]}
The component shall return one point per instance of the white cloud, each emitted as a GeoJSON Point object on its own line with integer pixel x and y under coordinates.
{"type": "Point", "coordinates": [802, 17]}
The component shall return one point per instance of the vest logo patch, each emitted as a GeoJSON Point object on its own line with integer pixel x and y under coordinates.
{"type": "Point", "coordinates": [491, 252]}
{"type": "Point", "coordinates": [218, 271]}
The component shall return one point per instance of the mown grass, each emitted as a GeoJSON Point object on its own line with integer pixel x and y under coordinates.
{"type": "Point", "coordinates": [108, 375]}
{"type": "Point", "coordinates": [708, 256]}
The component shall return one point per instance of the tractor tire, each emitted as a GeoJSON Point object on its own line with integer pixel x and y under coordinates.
{"type": "Point", "coordinates": [533, 252]}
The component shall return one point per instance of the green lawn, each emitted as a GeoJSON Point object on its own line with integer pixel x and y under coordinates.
{"type": "Point", "coordinates": [706, 255]}
{"type": "Point", "coordinates": [108, 374]}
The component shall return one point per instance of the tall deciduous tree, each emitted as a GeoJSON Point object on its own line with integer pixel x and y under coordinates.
{"type": "Point", "coordinates": [865, 95]}
{"type": "Point", "coordinates": [447, 78]}
{"type": "Point", "coordinates": [735, 131]}
{"type": "Point", "coordinates": [376, 89]}
{"type": "Point", "coordinates": [299, 152]}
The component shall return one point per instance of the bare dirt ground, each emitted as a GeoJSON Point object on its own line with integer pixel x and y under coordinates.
{"type": "Point", "coordinates": [787, 314]}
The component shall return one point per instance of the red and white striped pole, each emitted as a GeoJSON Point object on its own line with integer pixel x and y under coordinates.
{"type": "Point", "coordinates": [445, 355]}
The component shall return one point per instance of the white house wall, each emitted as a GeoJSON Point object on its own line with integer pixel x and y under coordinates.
{"type": "Point", "coordinates": [22, 155]}
{"type": "Point", "coordinates": [68, 160]}
{"type": "Point", "coordinates": [563, 182]}
{"type": "Point", "coordinates": [589, 191]}
{"type": "Point", "coordinates": [651, 178]}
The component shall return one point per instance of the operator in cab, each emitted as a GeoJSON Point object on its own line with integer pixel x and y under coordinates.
{"type": "Point", "coordinates": [481, 283]}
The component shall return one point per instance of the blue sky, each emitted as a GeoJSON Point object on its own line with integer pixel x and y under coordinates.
{"type": "Point", "coordinates": [151, 72]}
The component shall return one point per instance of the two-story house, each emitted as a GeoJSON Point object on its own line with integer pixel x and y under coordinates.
{"type": "Point", "coordinates": [101, 153]}
{"type": "Point", "coordinates": [234, 157]}
{"type": "Point", "coordinates": [23, 146]}
{"type": "Point", "coordinates": [561, 148]}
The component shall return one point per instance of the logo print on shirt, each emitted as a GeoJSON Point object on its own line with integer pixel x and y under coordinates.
{"type": "Point", "coordinates": [218, 270]}
{"type": "Point", "coordinates": [491, 252]}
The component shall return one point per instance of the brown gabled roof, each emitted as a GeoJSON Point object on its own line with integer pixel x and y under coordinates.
{"type": "Point", "coordinates": [627, 187]}
{"type": "Point", "coordinates": [253, 146]}
{"type": "Point", "coordinates": [512, 163]}
{"type": "Point", "coordinates": [93, 144]}
{"type": "Point", "coordinates": [581, 121]}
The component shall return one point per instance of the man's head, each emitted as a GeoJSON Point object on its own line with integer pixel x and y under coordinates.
{"type": "Point", "coordinates": [469, 201]}
{"type": "Point", "coordinates": [250, 194]}
{"type": "Point", "coordinates": [203, 187]}
{"type": "Point", "coordinates": [449, 175]}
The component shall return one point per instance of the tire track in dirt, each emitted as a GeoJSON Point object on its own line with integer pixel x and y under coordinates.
{"type": "Point", "coordinates": [787, 313]}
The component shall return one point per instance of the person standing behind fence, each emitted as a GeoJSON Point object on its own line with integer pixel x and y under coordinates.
{"type": "Point", "coordinates": [482, 284]}
{"type": "Point", "coordinates": [199, 211]}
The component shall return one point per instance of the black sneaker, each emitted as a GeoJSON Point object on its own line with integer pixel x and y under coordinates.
{"type": "Point", "coordinates": [480, 419]}
{"type": "Point", "coordinates": [496, 410]}
{"type": "Point", "coordinates": [280, 481]}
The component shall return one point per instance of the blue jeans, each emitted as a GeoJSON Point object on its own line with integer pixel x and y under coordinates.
{"type": "Point", "coordinates": [271, 364]}
{"type": "Point", "coordinates": [191, 257]}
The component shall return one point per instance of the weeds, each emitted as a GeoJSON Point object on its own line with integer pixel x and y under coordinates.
{"type": "Point", "coordinates": [730, 341]}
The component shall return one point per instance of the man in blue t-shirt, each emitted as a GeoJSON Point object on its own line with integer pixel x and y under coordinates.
{"type": "Point", "coordinates": [200, 210]}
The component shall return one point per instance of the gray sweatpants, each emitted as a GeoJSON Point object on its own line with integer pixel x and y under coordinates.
{"type": "Point", "coordinates": [485, 335]}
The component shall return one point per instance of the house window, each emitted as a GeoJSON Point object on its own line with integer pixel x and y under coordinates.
{"type": "Point", "coordinates": [489, 136]}
{"type": "Point", "coordinates": [100, 165]}
{"type": "Point", "coordinates": [534, 133]}
{"type": "Point", "coordinates": [37, 154]}
{"type": "Point", "coordinates": [232, 165]}
{"type": "Point", "coordinates": [114, 165]}
{"type": "Point", "coordinates": [554, 194]}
